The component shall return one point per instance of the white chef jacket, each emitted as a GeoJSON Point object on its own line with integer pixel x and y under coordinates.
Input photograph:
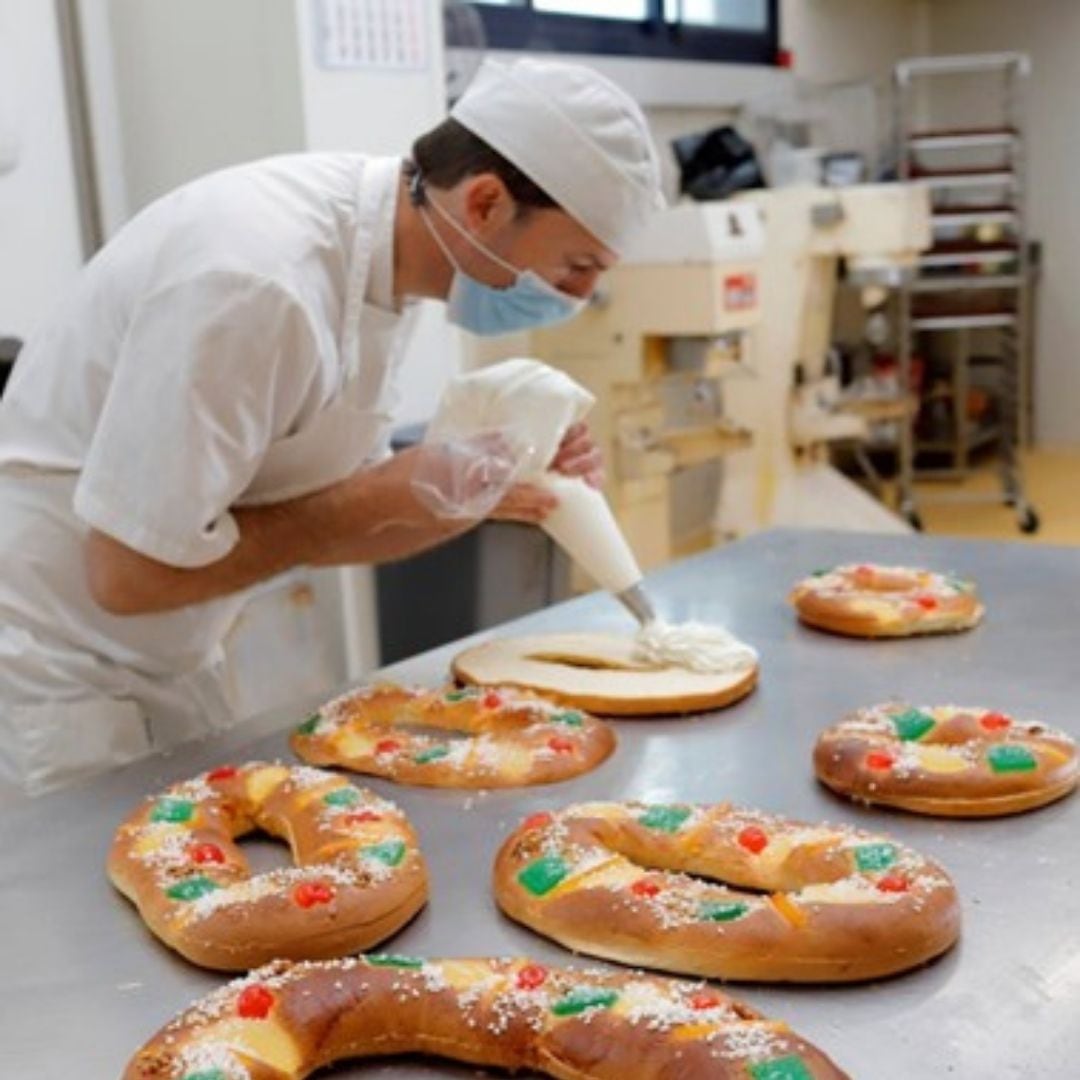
{"type": "Point", "coordinates": [235, 344]}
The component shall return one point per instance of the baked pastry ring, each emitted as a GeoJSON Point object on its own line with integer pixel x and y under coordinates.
{"type": "Point", "coordinates": [359, 874]}
{"type": "Point", "coordinates": [285, 1021]}
{"type": "Point", "coordinates": [601, 673]}
{"type": "Point", "coordinates": [867, 600]}
{"type": "Point", "coordinates": [830, 904]}
{"type": "Point", "coordinates": [946, 760]}
{"type": "Point", "coordinates": [475, 737]}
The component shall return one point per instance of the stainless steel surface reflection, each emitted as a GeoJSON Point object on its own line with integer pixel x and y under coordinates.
{"type": "Point", "coordinates": [85, 983]}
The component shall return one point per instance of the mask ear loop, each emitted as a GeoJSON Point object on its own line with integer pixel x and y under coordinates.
{"type": "Point", "coordinates": [425, 201]}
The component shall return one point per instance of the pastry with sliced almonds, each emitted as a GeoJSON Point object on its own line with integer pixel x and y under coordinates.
{"type": "Point", "coordinates": [462, 737]}
{"type": "Point", "coordinates": [358, 875]}
{"type": "Point", "coordinates": [946, 760]}
{"type": "Point", "coordinates": [725, 893]}
{"type": "Point", "coordinates": [871, 601]}
{"type": "Point", "coordinates": [287, 1021]}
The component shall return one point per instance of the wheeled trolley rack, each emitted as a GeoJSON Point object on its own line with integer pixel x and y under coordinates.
{"type": "Point", "coordinates": [973, 283]}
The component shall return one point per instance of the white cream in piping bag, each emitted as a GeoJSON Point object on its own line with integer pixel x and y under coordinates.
{"type": "Point", "coordinates": [585, 527]}
{"type": "Point", "coordinates": [693, 645]}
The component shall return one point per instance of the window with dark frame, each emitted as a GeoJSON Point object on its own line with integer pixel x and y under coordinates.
{"type": "Point", "coordinates": [734, 31]}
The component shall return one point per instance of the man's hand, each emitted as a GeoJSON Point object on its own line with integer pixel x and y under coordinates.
{"type": "Point", "coordinates": [525, 503]}
{"type": "Point", "coordinates": [578, 455]}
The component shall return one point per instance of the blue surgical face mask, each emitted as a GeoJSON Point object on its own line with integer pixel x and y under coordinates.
{"type": "Point", "coordinates": [529, 303]}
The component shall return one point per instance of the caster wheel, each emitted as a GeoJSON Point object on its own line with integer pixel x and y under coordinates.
{"type": "Point", "coordinates": [914, 520]}
{"type": "Point", "coordinates": [1029, 521]}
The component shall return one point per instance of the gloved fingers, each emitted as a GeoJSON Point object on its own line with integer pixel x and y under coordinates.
{"type": "Point", "coordinates": [467, 477]}
{"type": "Point", "coordinates": [526, 503]}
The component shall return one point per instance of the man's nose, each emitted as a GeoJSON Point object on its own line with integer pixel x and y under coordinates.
{"type": "Point", "coordinates": [580, 283]}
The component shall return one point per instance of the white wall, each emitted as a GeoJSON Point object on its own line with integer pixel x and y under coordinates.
{"type": "Point", "coordinates": [40, 240]}
{"type": "Point", "coordinates": [843, 40]}
{"type": "Point", "coordinates": [1049, 31]}
{"type": "Point", "coordinates": [199, 85]}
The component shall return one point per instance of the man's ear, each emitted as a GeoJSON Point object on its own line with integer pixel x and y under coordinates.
{"type": "Point", "coordinates": [486, 202]}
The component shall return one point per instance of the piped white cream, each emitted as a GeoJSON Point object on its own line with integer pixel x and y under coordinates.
{"type": "Point", "coordinates": [693, 645]}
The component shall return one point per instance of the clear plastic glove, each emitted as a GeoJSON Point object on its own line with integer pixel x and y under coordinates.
{"type": "Point", "coordinates": [466, 478]}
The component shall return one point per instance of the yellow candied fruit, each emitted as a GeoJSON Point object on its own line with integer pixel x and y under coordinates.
{"type": "Point", "coordinates": [354, 743]}
{"type": "Point", "coordinates": [690, 1032]}
{"type": "Point", "coordinates": [940, 759]}
{"type": "Point", "coordinates": [788, 910]}
{"type": "Point", "coordinates": [150, 842]}
{"type": "Point", "coordinates": [261, 782]}
{"type": "Point", "coordinates": [263, 1040]}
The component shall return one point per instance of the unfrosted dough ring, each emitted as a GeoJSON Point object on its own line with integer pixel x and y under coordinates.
{"type": "Point", "coordinates": [871, 601]}
{"type": "Point", "coordinates": [359, 874]}
{"type": "Point", "coordinates": [946, 760]}
{"type": "Point", "coordinates": [831, 904]}
{"type": "Point", "coordinates": [488, 737]}
{"type": "Point", "coordinates": [601, 673]}
{"type": "Point", "coordinates": [287, 1020]}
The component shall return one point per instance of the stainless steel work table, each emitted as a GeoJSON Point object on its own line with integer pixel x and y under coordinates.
{"type": "Point", "coordinates": [84, 984]}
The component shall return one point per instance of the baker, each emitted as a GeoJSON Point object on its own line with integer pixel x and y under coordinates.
{"type": "Point", "coordinates": [211, 405]}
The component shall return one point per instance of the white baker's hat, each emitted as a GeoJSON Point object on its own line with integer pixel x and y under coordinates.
{"type": "Point", "coordinates": [576, 135]}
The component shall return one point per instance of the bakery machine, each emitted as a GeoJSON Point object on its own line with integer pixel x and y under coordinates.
{"type": "Point", "coordinates": [792, 403]}
{"type": "Point", "coordinates": [671, 329]}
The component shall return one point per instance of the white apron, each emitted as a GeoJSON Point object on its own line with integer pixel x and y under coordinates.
{"type": "Point", "coordinates": [82, 690]}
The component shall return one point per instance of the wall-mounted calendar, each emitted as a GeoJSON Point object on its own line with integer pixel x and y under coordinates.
{"type": "Point", "coordinates": [390, 35]}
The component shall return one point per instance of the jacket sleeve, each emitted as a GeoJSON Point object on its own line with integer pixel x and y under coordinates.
{"type": "Point", "coordinates": [211, 369]}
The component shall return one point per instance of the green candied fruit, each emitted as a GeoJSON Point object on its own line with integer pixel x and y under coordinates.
{"type": "Point", "coordinates": [664, 818]}
{"type": "Point", "coordinates": [912, 724]}
{"type": "Point", "coordinates": [432, 753]}
{"type": "Point", "coordinates": [570, 717]}
{"type": "Point", "coordinates": [309, 725]}
{"type": "Point", "coordinates": [394, 960]}
{"type": "Point", "coordinates": [390, 852]}
{"type": "Point", "coordinates": [821, 572]}
{"type": "Point", "coordinates": [584, 997]}
{"type": "Point", "coordinates": [875, 856]}
{"type": "Point", "coordinates": [722, 910]}
{"type": "Point", "coordinates": [191, 888]}
{"type": "Point", "coordinates": [1008, 757]}
{"type": "Point", "coordinates": [342, 796]}
{"type": "Point", "coordinates": [542, 875]}
{"type": "Point", "coordinates": [460, 695]}
{"type": "Point", "coordinates": [958, 584]}
{"type": "Point", "coordinates": [205, 1074]}
{"type": "Point", "coordinates": [785, 1068]}
{"type": "Point", "coordinates": [176, 811]}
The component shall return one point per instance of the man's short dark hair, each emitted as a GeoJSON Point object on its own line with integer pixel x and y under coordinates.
{"type": "Point", "coordinates": [450, 152]}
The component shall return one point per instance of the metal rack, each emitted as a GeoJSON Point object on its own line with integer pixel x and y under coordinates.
{"type": "Point", "coordinates": [971, 283]}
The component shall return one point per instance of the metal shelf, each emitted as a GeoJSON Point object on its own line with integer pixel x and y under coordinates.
{"type": "Point", "coordinates": [963, 322]}
{"type": "Point", "coordinates": [965, 282]}
{"type": "Point", "coordinates": [960, 217]}
{"type": "Point", "coordinates": [967, 258]}
{"type": "Point", "coordinates": [945, 300]}
{"type": "Point", "coordinates": [982, 139]}
{"type": "Point", "coordinates": [965, 64]}
{"type": "Point", "coordinates": [953, 180]}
